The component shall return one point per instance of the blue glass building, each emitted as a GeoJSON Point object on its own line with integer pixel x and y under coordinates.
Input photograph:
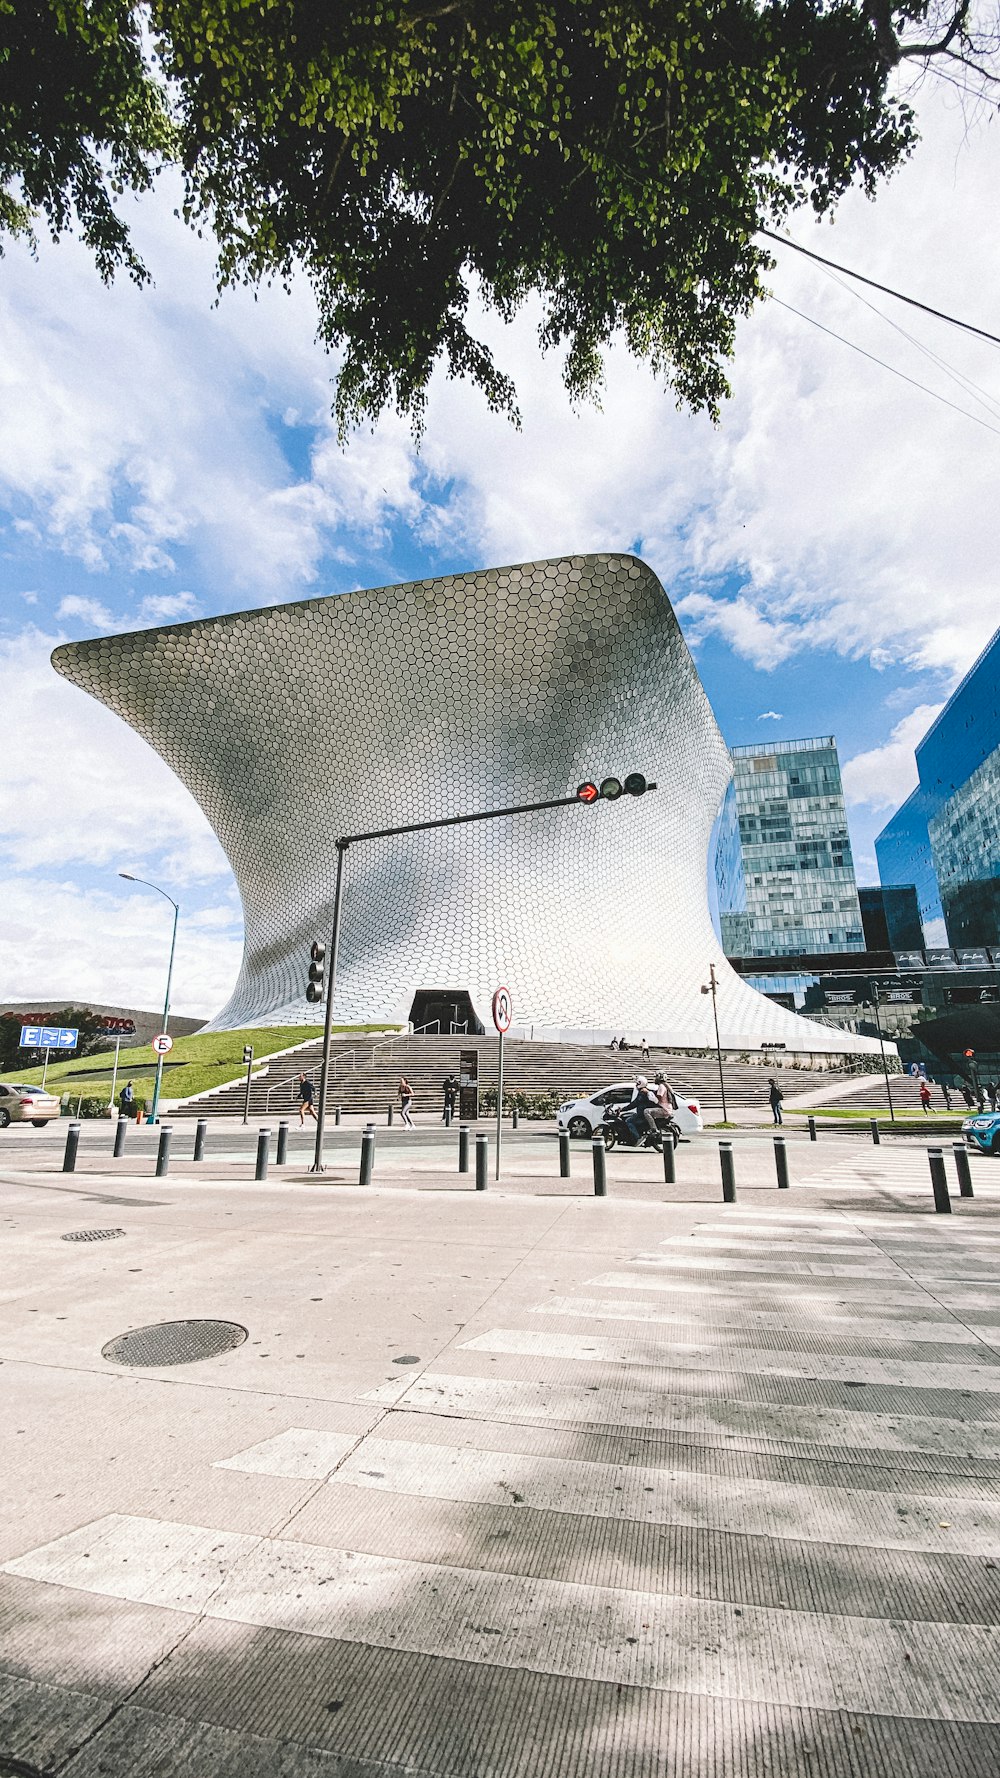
{"type": "Point", "coordinates": [946, 836]}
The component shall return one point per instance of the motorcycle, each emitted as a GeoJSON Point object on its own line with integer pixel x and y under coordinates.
{"type": "Point", "coordinates": [618, 1130]}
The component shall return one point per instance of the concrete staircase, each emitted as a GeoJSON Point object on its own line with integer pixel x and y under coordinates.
{"type": "Point", "coordinates": [365, 1075]}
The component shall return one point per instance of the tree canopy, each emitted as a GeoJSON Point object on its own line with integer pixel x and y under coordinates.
{"type": "Point", "coordinates": [614, 160]}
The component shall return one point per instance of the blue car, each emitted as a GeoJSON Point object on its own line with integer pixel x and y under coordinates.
{"type": "Point", "coordinates": [983, 1132]}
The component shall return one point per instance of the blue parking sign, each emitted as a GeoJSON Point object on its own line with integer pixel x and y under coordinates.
{"type": "Point", "coordinates": [49, 1037]}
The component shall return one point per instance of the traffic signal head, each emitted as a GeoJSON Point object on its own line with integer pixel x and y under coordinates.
{"type": "Point", "coordinates": [317, 970]}
{"type": "Point", "coordinates": [248, 1052]}
{"type": "Point", "coordinates": [610, 789]}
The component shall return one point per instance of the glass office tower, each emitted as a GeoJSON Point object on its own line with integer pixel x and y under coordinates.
{"type": "Point", "coordinates": [946, 836]}
{"type": "Point", "coordinates": [798, 888]}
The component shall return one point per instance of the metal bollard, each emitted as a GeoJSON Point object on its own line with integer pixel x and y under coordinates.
{"type": "Point", "coordinates": [200, 1132]}
{"type": "Point", "coordinates": [447, 1116]}
{"type": "Point", "coordinates": [163, 1151]}
{"type": "Point", "coordinates": [669, 1161]}
{"type": "Point", "coordinates": [513, 1119]}
{"type": "Point", "coordinates": [963, 1170]}
{"type": "Point", "coordinates": [367, 1154]}
{"type": "Point", "coordinates": [72, 1144]}
{"type": "Point", "coordinates": [876, 1138]}
{"type": "Point", "coordinates": [389, 1117]}
{"type": "Point", "coordinates": [482, 1159]}
{"type": "Point", "coordinates": [282, 1154]}
{"type": "Point", "coordinates": [120, 1129]}
{"type": "Point", "coordinates": [811, 1121]}
{"type": "Point", "coordinates": [263, 1144]}
{"type": "Point", "coordinates": [781, 1162]}
{"type": "Point", "coordinates": [463, 1148]}
{"type": "Point", "coordinates": [600, 1155]}
{"type": "Point", "coordinates": [728, 1172]}
{"type": "Point", "coordinates": [336, 1115]}
{"type": "Point", "coordinates": [939, 1181]}
{"type": "Point", "coordinates": [564, 1154]}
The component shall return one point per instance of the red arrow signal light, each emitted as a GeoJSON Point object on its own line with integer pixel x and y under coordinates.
{"type": "Point", "coordinates": [587, 793]}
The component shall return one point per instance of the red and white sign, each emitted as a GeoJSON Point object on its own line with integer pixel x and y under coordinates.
{"type": "Point", "coordinates": [162, 1044]}
{"type": "Point", "coordinates": [503, 1010]}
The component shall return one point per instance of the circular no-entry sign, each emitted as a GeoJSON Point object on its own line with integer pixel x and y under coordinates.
{"type": "Point", "coordinates": [503, 1010]}
{"type": "Point", "coordinates": [162, 1044]}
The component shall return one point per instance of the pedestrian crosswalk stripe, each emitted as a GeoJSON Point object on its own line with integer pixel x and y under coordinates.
{"type": "Point", "coordinates": [664, 1641]}
{"type": "Point", "coordinates": [764, 1424]}
{"type": "Point", "coordinates": [804, 1512]}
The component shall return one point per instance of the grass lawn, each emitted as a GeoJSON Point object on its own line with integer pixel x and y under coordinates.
{"type": "Point", "coordinates": [208, 1059]}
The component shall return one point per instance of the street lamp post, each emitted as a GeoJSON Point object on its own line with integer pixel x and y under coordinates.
{"type": "Point", "coordinates": [129, 878]}
{"type": "Point", "coordinates": [873, 988]}
{"type": "Point", "coordinates": [711, 988]}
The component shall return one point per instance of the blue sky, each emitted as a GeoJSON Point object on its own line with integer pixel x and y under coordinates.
{"type": "Point", "coordinates": [830, 547]}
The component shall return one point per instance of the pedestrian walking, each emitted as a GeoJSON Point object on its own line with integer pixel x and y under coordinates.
{"type": "Point", "coordinates": [774, 1098]}
{"type": "Point", "coordinates": [306, 1095]}
{"type": "Point", "coordinates": [992, 1093]}
{"type": "Point", "coordinates": [946, 1090]}
{"type": "Point", "coordinates": [126, 1100]}
{"type": "Point", "coordinates": [925, 1096]}
{"type": "Point", "coordinates": [449, 1087]}
{"type": "Point", "coordinates": [644, 1046]}
{"type": "Point", "coordinates": [405, 1101]}
{"type": "Point", "coordinates": [966, 1092]}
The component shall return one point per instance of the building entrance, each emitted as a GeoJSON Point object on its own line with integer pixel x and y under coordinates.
{"type": "Point", "coordinates": [444, 1010]}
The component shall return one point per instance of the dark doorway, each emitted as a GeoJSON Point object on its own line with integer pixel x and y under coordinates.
{"type": "Point", "coordinates": [444, 1010]}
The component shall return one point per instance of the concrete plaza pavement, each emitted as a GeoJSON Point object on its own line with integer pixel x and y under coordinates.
{"type": "Point", "coordinates": [520, 1482]}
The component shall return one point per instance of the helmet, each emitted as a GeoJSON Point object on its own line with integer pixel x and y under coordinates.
{"type": "Point", "coordinates": [641, 1081]}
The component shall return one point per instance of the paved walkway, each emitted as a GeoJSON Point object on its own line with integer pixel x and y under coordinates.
{"type": "Point", "coordinates": [517, 1483]}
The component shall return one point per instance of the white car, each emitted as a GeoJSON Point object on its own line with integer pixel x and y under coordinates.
{"type": "Point", "coordinates": [581, 1117]}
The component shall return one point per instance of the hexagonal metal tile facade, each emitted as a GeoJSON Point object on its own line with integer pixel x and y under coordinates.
{"type": "Point", "coordinates": [298, 723]}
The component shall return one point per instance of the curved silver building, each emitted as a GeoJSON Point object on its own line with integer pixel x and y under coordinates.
{"type": "Point", "coordinates": [302, 722]}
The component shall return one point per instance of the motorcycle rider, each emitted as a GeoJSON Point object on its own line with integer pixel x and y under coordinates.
{"type": "Point", "coordinates": [643, 1109]}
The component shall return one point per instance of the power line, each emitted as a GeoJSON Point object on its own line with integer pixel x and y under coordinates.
{"type": "Point", "coordinates": [886, 289]}
{"type": "Point", "coordinates": [891, 367]}
{"type": "Point", "coordinates": [966, 384]}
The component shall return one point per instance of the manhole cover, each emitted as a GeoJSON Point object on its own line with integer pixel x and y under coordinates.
{"type": "Point", "coordinates": [407, 1358]}
{"type": "Point", "coordinates": [92, 1235]}
{"type": "Point", "coordinates": [174, 1342]}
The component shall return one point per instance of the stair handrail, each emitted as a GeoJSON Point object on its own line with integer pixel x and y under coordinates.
{"type": "Point", "coordinates": [341, 1056]}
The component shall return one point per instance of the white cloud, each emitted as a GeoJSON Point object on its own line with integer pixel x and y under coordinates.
{"type": "Point", "coordinates": [770, 716]}
{"type": "Point", "coordinates": [161, 608]}
{"type": "Point", "coordinates": [852, 511]}
{"type": "Point", "coordinates": [89, 791]}
{"type": "Point", "coordinates": [749, 630]}
{"type": "Point", "coordinates": [64, 942]}
{"type": "Point", "coordinates": [884, 777]}
{"type": "Point", "coordinates": [87, 611]}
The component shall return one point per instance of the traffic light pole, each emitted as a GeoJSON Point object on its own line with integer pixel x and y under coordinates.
{"type": "Point", "coordinates": [318, 1165]}
{"type": "Point", "coordinates": [385, 833]}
